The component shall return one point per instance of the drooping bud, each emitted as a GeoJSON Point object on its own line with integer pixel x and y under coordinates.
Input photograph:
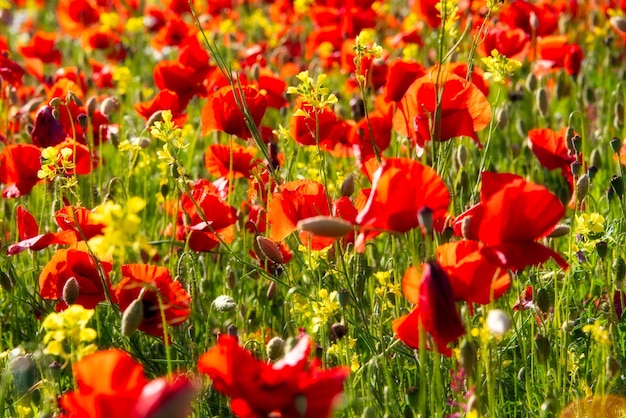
{"type": "Point", "coordinates": [577, 143]}
{"type": "Point", "coordinates": [266, 249]}
{"type": "Point", "coordinates": [560, 230]}
{"type": "Point", "coordinates": [132, 317]}
{"type": "Point", "coordinates": [616, 145]}
{"type": "Point", "coordinates": [231, 278]}
{"type": "Point", "coordinates": [155, 117]}
{"type": "Point", "coordinates": [577, 168]}
{"type": "Point", "coordinates": [617, 184]}
{"type": "Point", "coordinates": [347, 187]}
{"type": "Point", "coordinates": [109, 105]}
{"type": "Point", "coordinates": [71, 291]}
{"type": "Point", "coordinates": [596, 158]}
{"type": "Point", "coordinates": [91, 105]}
{"type": "Point", "coordinates": [531, 82]}
{"type": "Point", "coordinates": [5, 281]}
{"type": "Point", "coordinates": [325, 226]}
{"type": "Point", "coordinates": [275, 348]}
{"type": "Point", "coordinates": [502, 117]}
{"type": "Point", "coordinates": [271, 291]}
{"type": "Point", "coordinates": [543, 300]}
{"type": "Point", "coordinates": [619, 269]}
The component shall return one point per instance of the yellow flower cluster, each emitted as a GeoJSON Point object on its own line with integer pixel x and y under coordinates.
{"type": "Point", "coordinates": [68, 330]}
{"type": "Point", "coordinates": [312, 91]}
{"type": "Point", "coordinates": [325, 308]}
{"type": "Point", "coordinates": [499, 67]}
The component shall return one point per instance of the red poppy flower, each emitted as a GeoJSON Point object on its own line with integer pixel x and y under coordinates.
{"type": "Point", "coordinates": [75, 16]}
{"type": "Point", "coordinates": [510, 42]}
{"type": "Point", "coordinates": [435, 310]}
{"type": "Point", "coordinates": [315, 126]}
{"type": "Point", "coordinates": [217, 219]}
{"type": "Point", "coordinates": [511, 216]}
{"type": "Point", "coordinates": [291, 387]}
{"type": "Point", "coordinates": [42, 47]}
{"type": "Point", "coordinates": [464, 110]}
{"type": "Point", "coordinates": [182, 79]}
{"type": "Point", "coordinates": [294, 201]}
{"type": "Point", "coordinates": [234, 160]}
{"type": "Point", "coordinates": [517, 14]}
{"type": "Point", "coordinates": [472, 276]}
{"type": "Point", "coordinates": [274, 88]}
{"type": "Point", "coordinates": [78, 264]}
{"type": "Point", "coordinates": [370, 132]}
{"type": "Point", "coordinates": [555, 52]}
{"type": "Point", "coordinates": [220, 113]}
{"type": "Point", "coordinates": [401, 187]}
{"type": "Point", "coordinates": [19, 164]}
{"type": "Point", "coordinates": [158, 285]}
{"type": "Point", "coordinates": [108, 384]}
{"type": "Point", "coordinates": [105, 39]}
{"type": "Point", "coordinates": [164, 100]}
{"type": "Point", "coordinates": [71, 218]}
{"type": "Point", "coordinates": [28, 232]}
{"type": "Point", "coordinates": [10, 71]}
{"type": "Point", "coordinates": [175, 32]}
{"type": "Point", "coordinates": [47, 131]}
{"type": "Point", "coordinates": [400, 75]}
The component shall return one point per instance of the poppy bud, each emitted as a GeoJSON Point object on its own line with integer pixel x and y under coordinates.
{"type": "Point", "coordinates": [612, 367]}
{"type": "Point", "coordinates": [576, 167]}
{"type": "Point", "coordinates": [618, 110]}
{"type": "Point", "coordinates": [465, 228]}
{"type": "Point", "coordinates": [132, 317]}
{"type": "Point", "coordinates": [91, 105]}
{"type": "Point", "coordinates": [542, 101]}
{"type": "Point", "coordinates": [568, 326]}
{"type": "Point", "coordinates": [412, 397]}
{"type": "Point", "coordinates": [542, 300]}
{"type": "Point", "coordinates": [533, 20]}
{"type": "Point", "coordinates": [542, 348]}
{"type": "Point", "coordinates": [468, 357]}
{"type": "Point", "coordinates": [531, 82]}
{"type": "Point", "coordinates": [231, 278]}
{"type": "Point", "coordinates": [616, 145]}
{"type": "Point", "coordinates": [368, 412]}
{"type": "Point", "coordinates": [502, 117]}
{"type": "Point", "coordinates": [560, 230]}
{"type": "Point", "coordinates": [82, 121]}
{"type": "Point", "coordinates": [325, 226]}
{"type": "Point", "coordinates": [271, 291]}
{"type": "Point", "coordinates": [461, 155]}
{"type": "Point", "coordinates": [591, 172]}
{"type": "Point", "coordinates": [569, 135]}
{"type": "Point", "coordinates": [596, 158]}
{"type": "Point", "coordinates": [549, 407]}
{"type": "Point", "coordinates": [56, 114]}
{"type": "Point", "coordinates": [347, 186]}
{"type": "Point", "coordinates": [343, 297]}
{"type": "Point", "coordinates": [162, 398]}
{"type": "Point", "coordinates": [617, 184]}
{"type": "Point", "coordinates": [618, 23]}
{"type": "Point", "coordinates": [109, 105]}
{"type": "Point", "coordinates": [266, 249]}
{"type": "Point", "coordinates": [498, 321]}
{"type": "Point", "coordinates": [520, 128]}
{"type": "Point", "coordinates": [582, 187]}
{"type": "Point", "coordinates": [231, 330]}
{"type": "Point", "coordinates": [338, 331]}
{"type": "Point", "coordinates": [72, 97]}
{"type": "Point", "coordinates": [224, 303]}
{"type": "Point", "coordinates": [71, 291]}
{"type": "Point", "coordinates": [425, 219]}
{"type": "Point", "coordinates": [5, 281]}
{"type": "Point", "coordinates": [577, 143]}
{"type": "Point", "coordinates": [155, 117]}
{"type": "Point", "coordinates": [275, 348]}
{"type": "Point", "coordinates": [602, 248]}
{"type": "Point", "coordinates": [55, 102]}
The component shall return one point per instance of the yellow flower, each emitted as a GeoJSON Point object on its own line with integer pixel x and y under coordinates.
{"type": "Point", "coordinates": [68, 329]}
{"type": "Point", "coordinates": [599, 334]}
{"type": "Point", "coordinates": [134, 25]}
{"type": "Point", "coordinates": [312, 90]}
{"type": "Point", "coordinates": [110, 20]}
{"type": "Point", "coordinates": [590, 225]}
{"type": "Point", "coordinates": [499, 67]}
{"type": "Point", "coordinates": [325, 308]}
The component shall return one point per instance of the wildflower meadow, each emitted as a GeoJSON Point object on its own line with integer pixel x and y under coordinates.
{"type": "Point", "coordinates": [312, 208]}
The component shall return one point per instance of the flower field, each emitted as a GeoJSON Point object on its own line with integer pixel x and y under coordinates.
{"type": "Point", "coordinates": [312, 208]}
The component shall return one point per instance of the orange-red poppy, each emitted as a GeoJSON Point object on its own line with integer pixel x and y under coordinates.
{"type": "Point", "coordinates": [215, 221]}
{"type": "Point", "coordinates": [175, 32]}
{"type": "Point", "coordinates": [258, 389]}
{"type": "Point", "coordinates": [511, 216]}
{"type": "Point", "coordinates": [371, 133]}
{"type": "Point", "coordinates": [234, 160]}
{"type": "Point", "coordinates": [42, 47]}
{"type": "Point", "coordinates": [164, 100]}
{"type": "Point", "coordinates": [435, 311]}
{"type": "Point", "coordinates": [221, 112]}
{"type": "Point", "coordinates": [313, 126]}
{"type": "Point", "coordinates": [294, 201]}
{"type": "Point", "coordinates": [510, 42]}
{"type": "Point", "coordinates": [472, 276]}
{"type": "Point", "coordinates": [554, 52]}
{"type": "Point", "coordinates": [517, 14]}
{"type": "Point", "coordinates": [401, 187]}
{"type": "Point", "coordinates": [400, 75]}
{"type": "Point", "coordinates": [75, 16]}
{"type": "Point", "coordinates": [80, 265]}
{"type": "Point", "coordinates": [162, 296]}
{"type": "Point", "coordinates": [79, 222]}
{"type": "Point", "coordinates": [463, 109]}
{"type": "Point", "coordinates": [19, 164]}
{"type": "Point", "coordinates": [184, 80]}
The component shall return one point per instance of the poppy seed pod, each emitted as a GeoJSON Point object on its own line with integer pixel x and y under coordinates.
{"type": "Point", "coordinates": [325, 226]}
{"type": "Point", "coordinates": [531, 82]}
{"type": "Point", "coordinates": [71, 291]}
{"type": "Point", "coordinates": [275, 348]}
{"type": "Point", "coordinates": [266, 249]}
{"type": "Point", "coordinates": [132, 317]}
{"type": "Point", "coordinates": [582, 187]}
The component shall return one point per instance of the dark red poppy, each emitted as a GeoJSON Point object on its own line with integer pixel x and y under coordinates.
{"type": "Point", "coordinates": [221, 112]}
{"type": "Point", "coordinates": [47, 131]}
{"type": "Point", "coordinates": [28, 232]}
{"type": "Point", "coordinates": [431, 291]}
{"type": "Point", "coordinates": [225, 161]}
{"type": "Point", "coordinates": [19, 164]}
{"type": "Point", "coordinates": [291, 387]}
{"type": "Point", "coordinates": [401, 187]}
{"type": "Point", "coordinates": [215, 222]}
{"type": "Point", "coordinates": [42, 47]}
{"type": "Point", "coordinates": [370, 133]}
{"type": "Point", "coordinates": [161, 293]}
{"type": "Point", "coordinates": [274, 88]}
{"type": "Point", "coordinates": [10, 71]}
{"type": "Point", "coordinates": [519, 13]}
{"type": "Point", "coordinates": [472, 276]}
{"type": "Point", "coordinates": [463, 111]}
{"type": "Point", "coordinates": [80, 265]}
{"type": "Point", "coordinates": [294, 201]}
{"type": "Point", "coordinates": [511, 216]}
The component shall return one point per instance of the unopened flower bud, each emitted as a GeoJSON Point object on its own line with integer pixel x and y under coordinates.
{"type": "Point", "coordinates": [82, 121]}
{"type": "Point", "coordinates": [617, 184]}
{"type": "Point", "coordinates": [602, 248]}
{"type": "Point", "coordinates": [612, 367]}
{"type": "Point", "coordinates": [266, 249]}
{"type": "Point", "coordinates": [338, 331]}
{"type": "Point", "coordinates": [569, 135]}
{"type": "Point", "coordinates": [132, 317]}
{"type": "Point", "coordinates": [56, 114]}
{"type": "Point", "coordinates": [577, 143]}
{"type": "Point", "coordinates": [461, 155]}
{"type": "Point", "coordinates": [577, 168]}
{"type": "Point", "coordinates": [271, 291]}
{"type": "Point", "coordinates": [232, 330]}
{"type": "Point", "coordinates": [275, 348]}
{"type": "Point", "coordinates": [531, 82]}
{"type": "Point", "coordinates": [468, 357]}
{"type": "Point", "coordinates": [425, 219]}
{"type": "Point", "coordinates": [542, 348]}
{"type": "Point", "coordinates": [543, 300]}
{"type": "Point", "coordinates": [560, 230]}
{"type": "Point", "coordinates": [596, 158]}
{"type": "Point", "coordinates": [91, 105]}
{"type": "Point", "coordinates": [502, 117]}
{"type": "Point", "coordinates": [71, 291]}
{"type": "Point", "coordinates": [300, 403]}
{"type": "Point", "coordinates": [347, 187]}
{"type": "Point", "coordinates": [343, 297]}
{"type": "Point", "coordinates": [582, 187]}
{"type": "Point", "coordinates": [155, 117]}
{"type": "Point", "coordinates": [542, 101]}
{"type": "Point", "coordinates": [619, 269]}
{"type": "Point", "coordinates": [109, 105]}
{"type": "Point", "coordinates": [231, 278]}
{"type": "Point", "coordinates": [5, 281]}
{"type": "Point", "coordinates": [619, 23]}
{"type": "Point", "coordinates": [325, 226]}
{"type": "Point", "coordinates": [224, 303]}
{"type": "Point", "coordinates": [616, 145]}
{"type": "Point", "coordinates": [55, 102]}
{"type": "Point", "coordinates": [465, 228]}
{"type": "Point", "coordinates": [533, 20]}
